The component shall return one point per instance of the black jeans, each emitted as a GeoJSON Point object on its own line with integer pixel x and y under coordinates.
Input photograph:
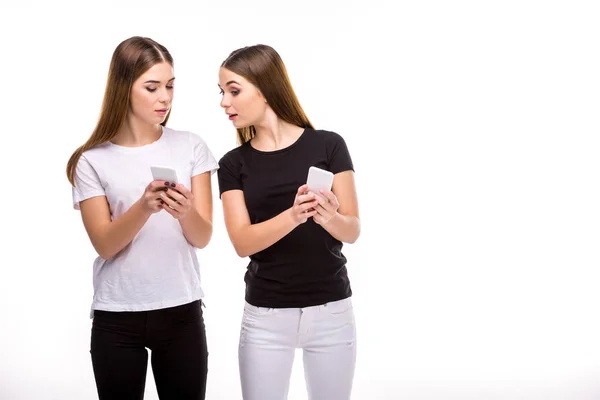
{"type": "Point", "coordinates": [177, 339]}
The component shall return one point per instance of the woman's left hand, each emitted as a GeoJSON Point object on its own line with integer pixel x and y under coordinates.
{"type": "Point", "coordinates": [327, 208]}
{"type": "Point", "coordinates": [177, 200]}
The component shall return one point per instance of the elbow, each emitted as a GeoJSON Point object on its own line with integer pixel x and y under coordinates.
{"type": "Point", "coordinates": [102, 246]}
{"type": "Point", "coordinates": [207, 236]}
{"type": "Point", "coordinates": [353, 239]}
{"type": "Point", "coordinates": [205, 241]}
{"type": "Point", "coordinates": [105, 254]}
{"type": "Point", "coordinates": [102, 251]}
{"type": "Point", "coordinates": [240, 250]}
{"type": "Point", "coordinates": [242, 253]}
{"type": "Point", "coordinates": [356, 235]}
{"type": "Point", "coordinates": [238, 245]}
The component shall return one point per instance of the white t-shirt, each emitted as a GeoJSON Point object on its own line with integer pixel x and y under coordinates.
{"type": "Point", "coordinates": [159, 268]}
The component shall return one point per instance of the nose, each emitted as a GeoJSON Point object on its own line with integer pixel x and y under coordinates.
{"type": "Point", "coordinates": [225, 102]}
{"type": "Point", "coordinates": [165, 96]}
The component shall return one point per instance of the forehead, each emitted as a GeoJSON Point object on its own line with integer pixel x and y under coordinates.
{"type": "Point", "coordinates": [159, 72]}
{"type": "Point", "coordinates": [226, 76]}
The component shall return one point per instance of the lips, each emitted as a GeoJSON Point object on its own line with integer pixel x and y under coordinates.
{"type": "Point", "coordinates": [232, 116]}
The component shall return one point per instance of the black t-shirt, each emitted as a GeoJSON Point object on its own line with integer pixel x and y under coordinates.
{"type": "Point", "coordinates": [306, 267]}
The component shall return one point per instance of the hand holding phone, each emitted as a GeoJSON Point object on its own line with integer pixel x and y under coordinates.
{"type": "Point", "coordinates": [162, 173]}
{"type": "Point", "coordinates": [319, 179]}
{"type": "Point", "coordinates": [304, 205]}
{"type": "Point", "coordinates": [165, 174]}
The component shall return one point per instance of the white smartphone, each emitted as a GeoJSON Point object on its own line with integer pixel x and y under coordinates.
{"type": "Point", "coordinates": [319, 179]}
{"type": "Point", "coordinates": [162, 173]}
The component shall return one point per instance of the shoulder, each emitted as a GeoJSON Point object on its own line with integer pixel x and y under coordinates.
{"type": "Point", "coordinates": [233, 156]}
{"type": "Point", "coordinates": [183, 137]}
{"type": "Point", "coordinates": [326, 136]}
{"type": "Point", "coordinates": [96, 154]}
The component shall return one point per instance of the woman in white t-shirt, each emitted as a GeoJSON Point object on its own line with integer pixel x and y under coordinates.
{"type": "Point", "coordinates": [147, 291]}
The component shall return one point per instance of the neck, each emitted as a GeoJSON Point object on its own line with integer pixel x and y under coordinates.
{"type": "Point", "coordinates": [273, 133]}
{"type": "Point", "coordinates": [134, 133]}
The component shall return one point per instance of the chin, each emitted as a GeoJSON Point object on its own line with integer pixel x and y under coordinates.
{"type": "Point", "coordinates": [238, 125]}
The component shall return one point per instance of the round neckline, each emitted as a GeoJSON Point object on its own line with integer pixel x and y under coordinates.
{"type": "Point", "coordinates": [287, 148]}
{"type": "Point", "coordinates": [144, 147]}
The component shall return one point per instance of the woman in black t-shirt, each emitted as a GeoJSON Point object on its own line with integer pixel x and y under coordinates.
{"type": "Point", "coordinates": [297, 287]}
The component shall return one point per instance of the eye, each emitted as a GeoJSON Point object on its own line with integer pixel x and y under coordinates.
{"type": "Point", "coordinates": [170, 87]}
{"type": "Point", "coordinates": [235, 92]}
{"type": "Point", "coordinates": [151, 89]}
{"type": "Point", "coordinates": [221, 92]}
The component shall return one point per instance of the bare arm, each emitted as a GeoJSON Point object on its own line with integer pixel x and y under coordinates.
{"type": "Point", "coordinates": [197, 223]}
{"type": "Point", "coordinates": [247, 238]}
{"type": "Point", "coordinates": [109, 237]}
{"type": "Point", "coordinates": [338, 214]}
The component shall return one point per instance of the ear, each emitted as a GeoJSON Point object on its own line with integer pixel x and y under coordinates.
{"type": "Point", "coordinates": [261, 96]}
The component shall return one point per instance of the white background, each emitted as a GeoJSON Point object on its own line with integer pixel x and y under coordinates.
{"type": "Point", "coordinates": [474, 129]}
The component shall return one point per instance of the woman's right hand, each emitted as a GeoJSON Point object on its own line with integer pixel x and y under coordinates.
{"type": "Point", "coordinates": [150, 199]}
{"type": "Point", "coordinates": [304, 205]}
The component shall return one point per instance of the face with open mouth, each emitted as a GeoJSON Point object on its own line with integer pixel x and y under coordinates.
{"type": "Point", "coordinates": [152, 94]}
{"type": "Point", "coordinates": [243, 103]}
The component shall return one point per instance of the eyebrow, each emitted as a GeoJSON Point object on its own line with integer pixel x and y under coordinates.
{"type": "Point", "coordinates": [172, 79]}
{"type": "Point", "coordinates": [229, 83]}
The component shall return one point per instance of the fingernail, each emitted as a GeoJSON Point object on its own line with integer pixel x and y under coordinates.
{"type": "Point", "coordinates": [166, 183]}
{"type": "Point", "coordinates": [173, 185]}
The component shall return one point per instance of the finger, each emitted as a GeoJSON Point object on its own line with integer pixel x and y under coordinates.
{"type": "Point", "coordinates": [156, 186]}
{"type": "Point", "coordinates": [183, 190]}
{"type": "Point", "coordinates": [322, 200]}
{"type": "Point", "coordinates": [155, 205]}
{"type": "Point", "coordinates": [307, 206]}
{"type": "Point", "coordinates": [328, 194]}
{"type": "Point", "coordinates": [321, 210]}
{"type": "Point", "coordinates": [152, 199]}
{"type": "Point", "coordinates": [305, 197]}
{"type": "Point", "coordinates": [327, 206]}
{"type": "Point", "coordinates": [176, 195]}
{"type": "Point", "coordinates": [169, 210]}
{"type": "Point", "coordinates": [169, 202]}
{"type": "Point", "coordinates": [302, 189]}
{"type": "Point", "coordinates": [333, 201]}
{"type": "Point", "coordinates": [318, 219]}
{"type": "Point", "coordinates": [312, 213]}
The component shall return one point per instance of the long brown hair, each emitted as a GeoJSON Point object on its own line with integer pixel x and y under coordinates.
{"type": "Point", "coordinates": [262, 66]}
{"type": "Point", "coordinates": [131, 58]}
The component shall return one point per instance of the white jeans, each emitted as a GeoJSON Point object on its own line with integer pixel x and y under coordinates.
{"type": "Point", "coordinates": [268, 341]}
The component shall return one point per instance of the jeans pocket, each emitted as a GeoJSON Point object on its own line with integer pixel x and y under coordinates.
{"type": "Point", "coordinates": [256, 319]}
{"type": "Point", "coordinates": [339, 308]}
{"type": "Point", "coordinates": [255, 311]}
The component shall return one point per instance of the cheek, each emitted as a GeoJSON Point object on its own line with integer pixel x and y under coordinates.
{"type": "Point", "coordinates": [259, 107]}
{"type": "Point", "coordinates": [141, 100]}
{"type": "Point", "coordinates": [252, 106]}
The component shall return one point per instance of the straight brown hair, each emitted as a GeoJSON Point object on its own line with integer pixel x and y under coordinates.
{"type": "Point", "coordinates": [262, 66]}
{"type": "Point", "coordinates": [131, 58]}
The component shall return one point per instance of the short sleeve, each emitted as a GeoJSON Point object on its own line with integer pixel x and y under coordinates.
{"type": "Point", "coordinates": [203, 158]}
{"type": "Point", "coordinates": [338, 155]}
{"type": "Point", "coordinates": [87, 182]}
{"type": "Point", "coordinates": [229, 173]}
